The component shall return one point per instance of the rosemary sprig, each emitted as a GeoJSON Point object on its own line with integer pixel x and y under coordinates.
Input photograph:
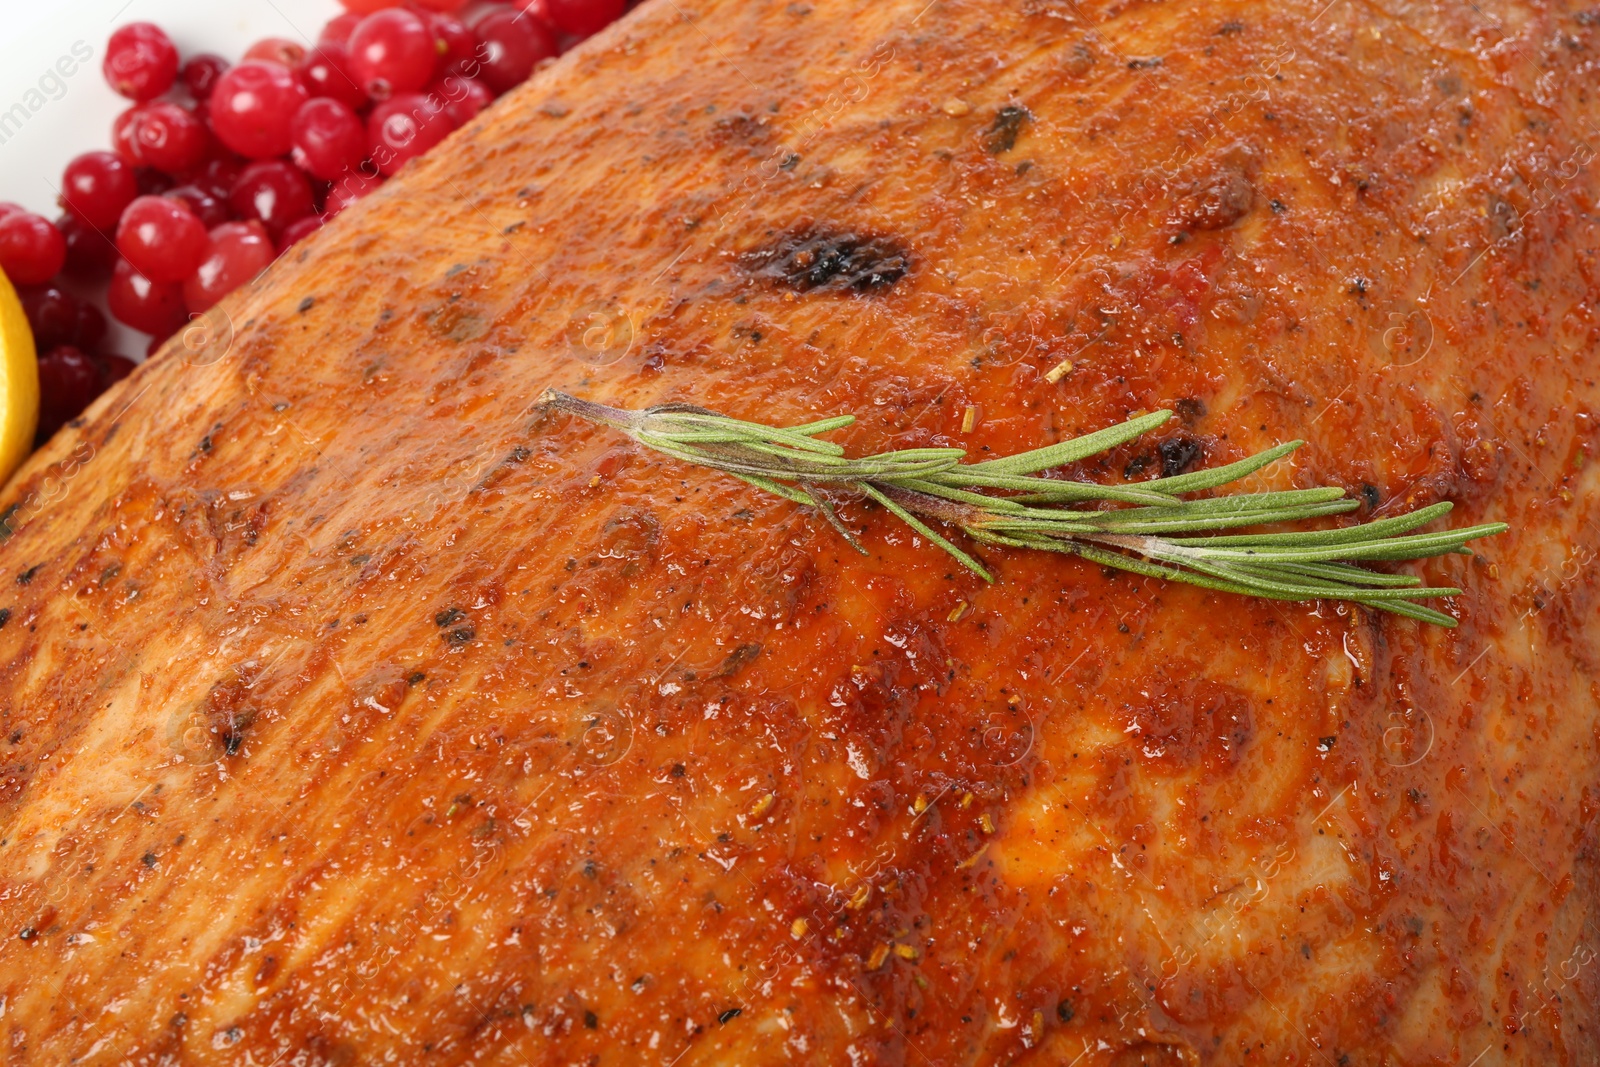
{"type": "Point", "coordinates": [1005, 502]}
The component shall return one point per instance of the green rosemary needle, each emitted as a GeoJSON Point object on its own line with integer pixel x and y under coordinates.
{"type": "Point", "coordinates": [1005, 502]}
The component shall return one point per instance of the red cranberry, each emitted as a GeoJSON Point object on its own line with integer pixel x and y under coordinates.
{"type": "Point", "coordinates": [88, 326]}
{"type": "Point", "coordinates": [365, 7]}
{"type": "Point", "coordinates": [584, 17]}
{"type": "Point", "coordinates": [210, 209]}
{"type": "Point", "coordinates": [219, 175]}
{"type": "Point", "coordinates": [298, 232]}
{"type": "Point", "coordinates": [114, 368]}
{"type": "Point", "coordinates": [392, 51]}
{"type": "Point", "coordinates": [437, 5]}
{"type": "Point", "coordinates": [512, 46]}
{"type": "Point", "coordinates": [272, 191]}
{"type": "Point", "coordinates": [326, 72]}
{"type": "Point", "coordinates": [8, 208]}
{"type": "Point", "coordinates": [96, 186]}
{"type": "Point", "coordinates": [463, 97]}
{"type": "Point", "coordinates": [141, 62]}
{"type": "Point", "coordinates": [122, 136]}
{"type": "Point", "coordinates": [402, 128]}
{"type": "Point", "coordinates": [32, 251]}
{"type": "Point", "coordinates": [170, 138]}
{"type": "Point", "coordinates": [68, 382]}
{"type": "Point", "coordinates": [90, 253]}
{"type": "Point", "coordinates": [347, 190]}
{"type": "Point", "coordinates": [236, 253]}
{"type": "Point", "coordinates": [150, 307]}
{"type": "Point", "coordinates": [339, 28]}
{"type": "Point", "coordinates": [162, 238]}
{"type": "Point", "coordinates": [329, 139]}
{"type": "Point", "coordinates": [52, 314]}
{"type": "Point", "coordinates": [478, 10]}
{"type": "Point", "coordinates": [253, 105]}
{"type": "Point", "coordinates": [201, 73]}
{"type": "Point", "coordinates": [278, 50]}
{"type": "Point", "coordinates": [453, 43]}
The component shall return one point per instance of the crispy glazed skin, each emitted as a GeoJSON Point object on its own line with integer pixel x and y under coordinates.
{"type": "Point", "coordinates": [355, 711]}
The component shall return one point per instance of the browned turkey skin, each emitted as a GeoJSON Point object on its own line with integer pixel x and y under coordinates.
{"type": "Point", "coordinates": [354, 710]}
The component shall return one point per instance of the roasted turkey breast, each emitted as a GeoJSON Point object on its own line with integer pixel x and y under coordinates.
{"type": "Point", "coordinates": [355, 709]}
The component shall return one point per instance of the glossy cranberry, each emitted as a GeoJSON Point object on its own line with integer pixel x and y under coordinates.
{"type": "Point", "coordinates": [52, 314]}
{"type": "Point", "coordinates": [298, 232]}
{"type": "Point", "coordinates": [511, 46]}
{"type": "Point", "coordinates": [455, 45]}
{"type": "Point", "coordinates": [478, 10]}
{"type": "Point", "coordinates": [278, 50]}
{"type": "Point", "coordinates": [365, 7]}
{"type": "Point", "coordinates": [201, 73]}
{"type": "Point", "coordinates": [463, 97]}
{"type": "Point", "coordinates": [210, 209]}
{"type": "Point", "coordinates": [32, 250]}
{"type": "Point", "coordinates": [584, 17]}
{"type": "Point", "coordinates": [90, 253]}
{"type": "Point", "coordinates": [150, 307]}
{"type": "Point", "coordinates": [114, 368]}
{"type": "Point", "coordinates": [252, 108]}
{"type": "Point", "coordinates": [218, 176]}
{"type": "Point", "coordinates": [437, 5]}
{"type": "Point", "coordinates": [272, 191]}
{"type": "Point", "coordinates": [8, 208]}
{"type": "Point", "coordinates": [88, 326]}
{"type": "Point", "coordinates": [339, 28]}
{"type": "Point", "coordinates": [326, 72]}
{"type": "Point", "coordinates": [68, 382]}
{"type": "Point", "coordinates": [141, 61]}
{"type": "Point", "coordinates": [402, 128]}
{"type": "Point", "coordinates": [96, 186]}
{"type": "Point", "coordinates": [392, 51]}
{"type": "Point", "coordinates": [162, 238]}
{"type": "Point", "coordinates": [235, 254]}
{"type": "Point", "coordinates": [329, 139]}
{"type": "Point", "coordinates": [170, 138]}
{"type": "Point", "coordinates": [122, 135]}
{"type": "Point", "coordinates": [347, 190]}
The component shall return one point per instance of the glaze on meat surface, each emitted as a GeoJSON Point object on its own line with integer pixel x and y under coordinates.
{"type": "Point", "coordinates": [355, 710]}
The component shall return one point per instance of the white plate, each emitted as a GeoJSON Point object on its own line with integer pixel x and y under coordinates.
{"type": "Point", "coordinates": [47, 117]}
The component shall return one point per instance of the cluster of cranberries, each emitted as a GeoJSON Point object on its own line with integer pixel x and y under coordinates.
{"type": "Point", "coordinates": [217, 169]}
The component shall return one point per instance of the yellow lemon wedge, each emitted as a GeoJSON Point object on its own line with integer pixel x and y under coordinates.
{"type": "Point", "coordinates": [19, 382]}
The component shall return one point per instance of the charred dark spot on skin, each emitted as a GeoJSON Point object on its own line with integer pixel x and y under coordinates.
{"type": "Point", "coordinates": [228, 711]}
{"type": "Point", "coordinates": [738, 660]}
{"type": "Point", "coordinates": [742, 127]}
{"type": "Point", "coordinates": [815, 259]}
{"type": "Point", "coordinates": [1008, 123]}
{"type": "Point", "coordinates": [28, 575]}
{"type": "Point", "coordinates": [1178, 455]}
